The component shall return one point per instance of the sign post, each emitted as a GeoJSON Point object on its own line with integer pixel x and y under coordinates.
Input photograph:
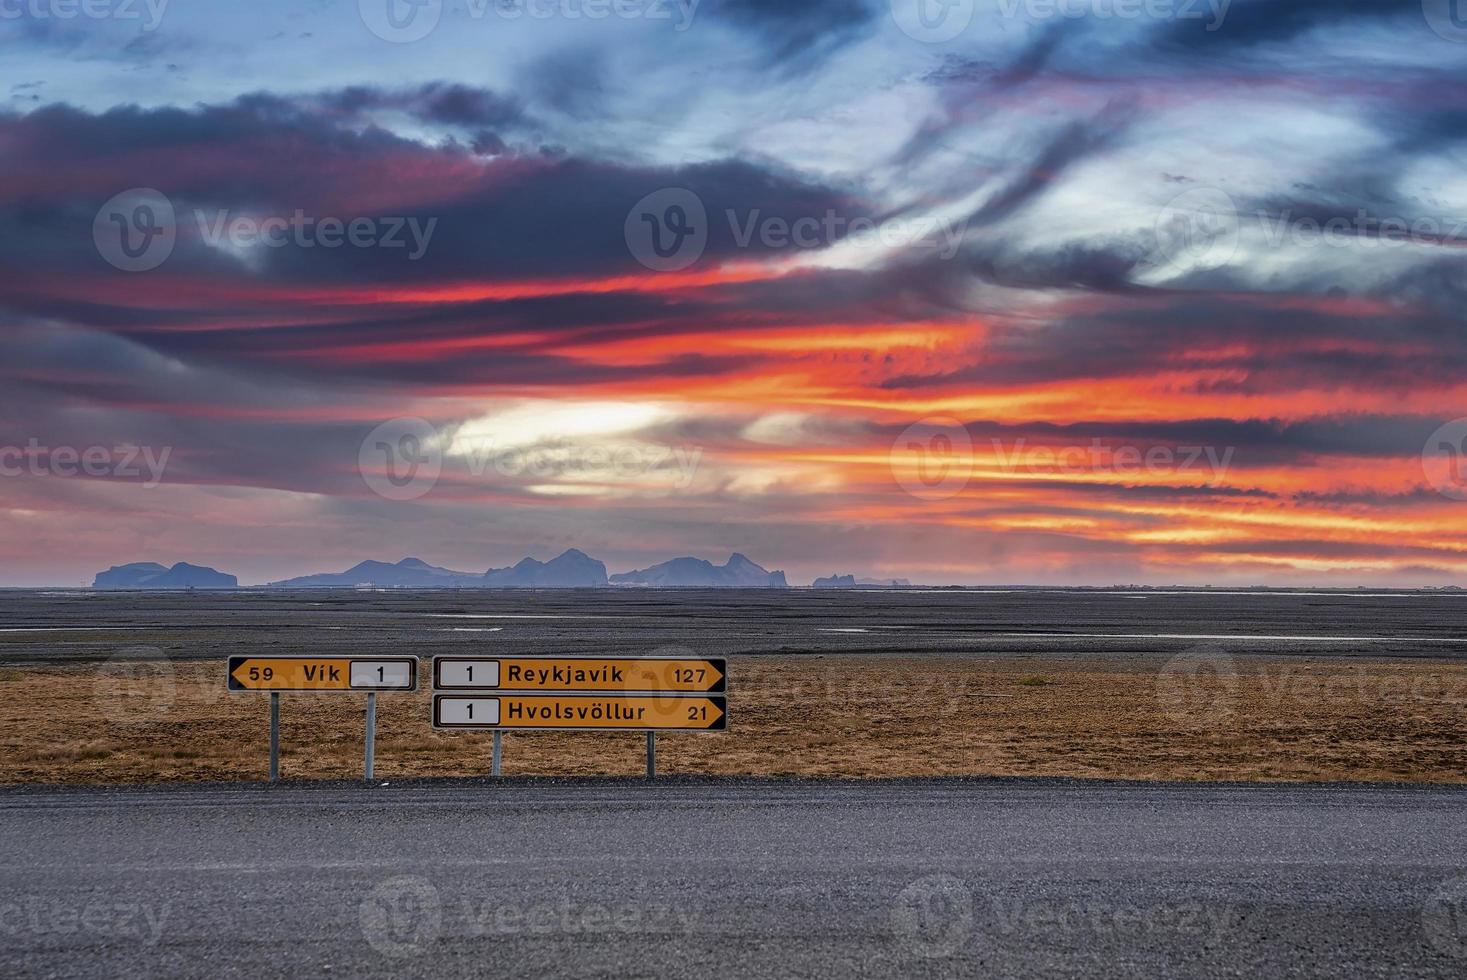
{"type": "Point", "coordinates": [371, 736]}
{"type": "Point", "coordinates": [274, 736]}
{"type": "Point", "coordinates": [344, 675]}
{"type": "Point", "coordinates": [494, 762]}
{"type": "Point", "coordinates": [651, 755]}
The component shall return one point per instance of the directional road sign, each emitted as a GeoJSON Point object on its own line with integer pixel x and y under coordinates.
{"type": "Point", "coordinates": [581, 712]}
{"type": "Point", "coordinates": [361, 674]}
{"type": "Point", "coordinates": [659, 675]}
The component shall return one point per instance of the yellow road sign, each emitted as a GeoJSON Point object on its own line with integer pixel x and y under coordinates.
{"type": "Point", "coordinates": [323, 674]}
{"type": "Point", "coordinates": [580, 712]}
{"type": "Point", "coordinates": [661, 675]}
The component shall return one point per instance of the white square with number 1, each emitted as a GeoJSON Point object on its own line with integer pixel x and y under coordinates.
{"type": "Point", "coordinates": [468, 711]}
{"type": "Point", "coordinates": [380, 674]}
{"type": "Point", "coordinates": [468, 673]}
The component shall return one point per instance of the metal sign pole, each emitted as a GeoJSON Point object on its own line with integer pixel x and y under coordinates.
{"type": "Point", "coordinates": [494, 769]}
{"type": "Point", "coordinates": [371, 733]}
{"type": "Point", "coordinates": [274, 737]}
{"type": "Point", "coordinates": [651, 755]}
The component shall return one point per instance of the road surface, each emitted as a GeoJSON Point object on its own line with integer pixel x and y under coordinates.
{"type": "Point", "coordinates": [1001, 878]}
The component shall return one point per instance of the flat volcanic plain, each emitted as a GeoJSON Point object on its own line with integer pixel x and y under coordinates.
{"type": "Point", "coordinates": [1144, 684]}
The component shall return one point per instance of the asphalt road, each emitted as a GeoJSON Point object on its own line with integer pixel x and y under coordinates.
{"type": "Point", "coordinates": [624, 879]}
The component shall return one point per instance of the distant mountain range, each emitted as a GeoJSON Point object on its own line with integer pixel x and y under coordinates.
{"type": "Point", "coordinates": [150, 575]}
{"type": "Point", "coordinates": [571, 570]}
{"type": "Point", "coordinates": [736, 573]}
{"type": "Point", "coordinates": [851, 582]}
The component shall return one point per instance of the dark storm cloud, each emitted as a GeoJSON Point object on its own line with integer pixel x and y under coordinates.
{"type": "Point", "coordinates": [1421, 496]}
{"type": "Point", "coordinates": [1270, 345]}
{"type": "Point", "coordinates": [1254, 22]}
{"type": "Point", "coordinates": [439, 102]}
{"type": "Point", "coordinates": [509, 218]}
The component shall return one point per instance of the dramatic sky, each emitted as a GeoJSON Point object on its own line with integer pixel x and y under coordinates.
{"type": "Point", "coordinates": [997, 291]}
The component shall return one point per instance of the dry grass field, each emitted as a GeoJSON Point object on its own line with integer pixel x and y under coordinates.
{"type": "Point", "coordinates": [1199, 718]}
